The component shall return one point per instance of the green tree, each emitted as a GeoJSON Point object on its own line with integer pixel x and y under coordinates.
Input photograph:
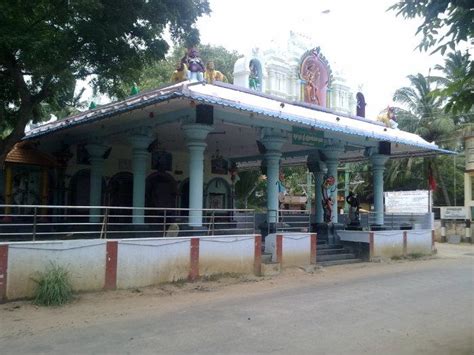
{"type": "Point", "coordinates": [457, 84]}
{"type": "Point", "coordinates": [446, 23]}
{"type": "Point", "coordinates": [159, 72]}
{"type": "Point", "coordinates": [45, 45]}
{"type": "Point", "coordinates": [423, 114]}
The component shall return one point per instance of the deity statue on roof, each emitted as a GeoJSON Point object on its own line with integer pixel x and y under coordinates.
{"type": "Point", "coordinates": [180, 74]}
{"type": "Point", "coordinates": [254, 77]}
{"type": "Point", "coordinates": [211, 74]}
{"type": "Point", "coordinates": [194, 64]}
{"type": "Point", "coordinates": [388, 118]}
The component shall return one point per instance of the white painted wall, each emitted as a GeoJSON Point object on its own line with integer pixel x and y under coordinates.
{"type": "Point", "coordinates": [388, 243]}
{"type": "Point", "coordinates": [149, 261]}
{"type": "Point", "coordinates": [419, 241]}
{"type": "Point", "coordinates": [84, 259]}
{"type": "Point", "coordinates": [296, 249]}
{"type": "Point", "coordinates": [226, 254]}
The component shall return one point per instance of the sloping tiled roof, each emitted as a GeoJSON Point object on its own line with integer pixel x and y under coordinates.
{"type": "Point", "coordinates": [245, 100]}
{"type": "Point", "coordinates": [25, 153]}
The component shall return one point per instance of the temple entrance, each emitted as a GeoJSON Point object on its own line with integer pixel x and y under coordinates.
{"type": "Point", "coordinates": [79, 188]}
{"type": "Point", "coordinates": [184, 196]}
{"type": "Point", "coordinates": [162, 192]}
{"type": "Point", "coordinates": [120, 194]}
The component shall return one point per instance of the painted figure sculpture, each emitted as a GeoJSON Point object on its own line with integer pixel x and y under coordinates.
{"type": "Point", "coordinates": [212, 74]}
{"type": "Point", "coordinates": [354, 204]}
{"type": "Point", "coordinates": [327, 189]}
{"type": "Point", "coordinates": [194, 64]}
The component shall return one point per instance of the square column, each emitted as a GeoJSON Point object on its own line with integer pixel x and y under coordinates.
{"type": "Point", "coordinates": [196, 142]}
{"type": "Point", "coordinates": [140, 158]}
{"type": "Point", "coordinates": [378, 166]}
{"type": "Point", "coordinates": [319, 169]}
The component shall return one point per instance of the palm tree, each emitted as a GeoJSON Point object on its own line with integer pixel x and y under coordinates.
{"type": "Point", "coordinates": [423, 115]}
{"type": "Point", "coordinates": [457, 82]}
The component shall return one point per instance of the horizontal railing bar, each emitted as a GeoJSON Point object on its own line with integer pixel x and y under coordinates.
{"type": "Point", "coordinates": [126, 208]}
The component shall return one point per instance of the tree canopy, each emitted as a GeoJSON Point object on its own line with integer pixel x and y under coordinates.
{"type": "Point", "coordinates": [46, 45]}
{"type": "Point", "coordinates": [446, 23]}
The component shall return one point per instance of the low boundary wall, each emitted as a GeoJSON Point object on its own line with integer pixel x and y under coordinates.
{"type": "Point", "coordinates": [109, 264]}
{"type": "Point", "coordinates": [292, 249]}
{"type": "Point", "coordinates": [393, 243]}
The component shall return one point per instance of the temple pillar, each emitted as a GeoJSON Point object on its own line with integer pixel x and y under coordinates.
{"type": "Point", "coordinates": [318, 168]}
{"type": "Point", "coordinates": [273, 144]}
{"type": "Point", "coordinates": [96, 158]}
{"type": "Point", "coordinates": [196, 142]}
{"type": "Point", "coordinates": [378, 166]}
{"type": "Point", "coordinates": [140, 160]}
{"type": "Point", "coordinates": [332, 154]}
{"type": "Point", "coordinates": [8, 192]}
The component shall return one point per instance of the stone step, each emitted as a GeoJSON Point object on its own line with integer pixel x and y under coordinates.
{"type": "Point", "coordinates": [330, 246]}
{"type": "Point", "coordinates": [331, 257]}
{"type": "Point", "coordinates": [332, 251]}
{"type": "Point", "coordinates": [271, 269]}
{"type": "Point", "coordinates": [339, 262]}
{"type": "Point", "coordinates": [266, 258]}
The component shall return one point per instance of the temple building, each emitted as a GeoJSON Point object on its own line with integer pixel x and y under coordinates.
{"type": "Point", "coordinates": [180, 147]}
{"type": "Point", "coordinates": [285, 70]}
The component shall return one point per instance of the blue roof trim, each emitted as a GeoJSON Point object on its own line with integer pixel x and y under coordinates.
{"type": "Point", "coordinates": [100, 115]}
{"type": "Point", "coordinates": [305, 121]}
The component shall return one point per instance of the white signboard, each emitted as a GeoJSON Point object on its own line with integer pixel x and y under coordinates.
{"type": "Point", "coordinates": [453, 212]}
{"type": "Point", "coordinates": [406, 202]}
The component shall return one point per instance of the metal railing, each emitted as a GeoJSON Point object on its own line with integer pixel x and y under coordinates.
{"type": "Point", "coordinates": [289, 221]}
{"type": "Point", "coordinates": [392, 220]}
{"type": "Point", "coordinates": [49, 222]}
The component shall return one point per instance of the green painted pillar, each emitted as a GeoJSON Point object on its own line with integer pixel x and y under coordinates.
{"type": "Point", "coordinates": [96, 158]}
{"type": "Point", "coordinates": [378, 166]}
{"type": "Point", "coordinates": [273, 142]}
{"type": "Point", "coordinates": [318, 168]}
{"type": "Point", "coordinates": [140, 140]}
{"type": "Point", "coordinates": [196, 142]}
{"type": "Point", "coordinates": [332, 154]}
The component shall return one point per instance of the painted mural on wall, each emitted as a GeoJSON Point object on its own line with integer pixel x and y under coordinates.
{"type": "Point", "coordinates": [315, 75]}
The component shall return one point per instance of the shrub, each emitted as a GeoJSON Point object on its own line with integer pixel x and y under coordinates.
{"type": "Point", "coordinates": [54, 287]}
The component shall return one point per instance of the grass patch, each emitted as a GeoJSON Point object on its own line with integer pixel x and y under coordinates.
{"type": "Point", "coordinates": [222, 275]}
{"type": "Point", "coordinates": [53, 287]}
{"type": "Point", "coordinates": [411, 256]}
{"type": "Point", "coordinates": [415, 256]}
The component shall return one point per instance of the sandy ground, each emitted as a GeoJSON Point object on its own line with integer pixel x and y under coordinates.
{"type": "Point", "coordinates": [22, 320]}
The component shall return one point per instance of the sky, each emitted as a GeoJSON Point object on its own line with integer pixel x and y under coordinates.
{"type": "Point", "coordinates": [359, 38]}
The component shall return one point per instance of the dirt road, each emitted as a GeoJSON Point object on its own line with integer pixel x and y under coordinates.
{"type": "Point", "coordinates": [405, 307]}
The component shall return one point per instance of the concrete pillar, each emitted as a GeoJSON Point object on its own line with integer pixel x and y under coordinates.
{"type": "Point", "coordinates": [378, 166]}
{"type": "Point", "coordinates": [196, 141]}
{"type": "Point", "coordinates": [347, 174]}
{"type": "Point", "coordinates": [332, 154]}
{"type": "Point", "coordinates": [319, 169]}
{"type": "Point", "coordinates": [140, 141]}
{"type": "Point", "coordinates": [96, 158]}
{"type": "Point", "coordinates": [273, 143]}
